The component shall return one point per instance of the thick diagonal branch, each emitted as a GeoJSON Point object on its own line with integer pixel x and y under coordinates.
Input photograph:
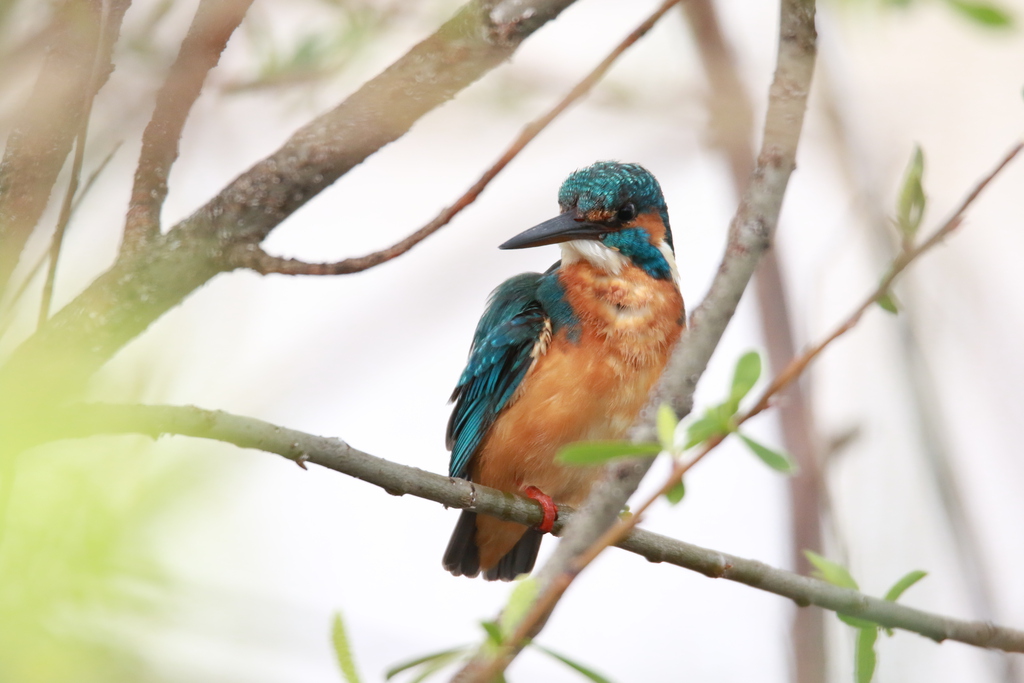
{"type": "Point", "coordinates": [145, 284]}
{"type": "Point", "coordinates": [731, 125]}
{"type": "Point", "coordinates": [254, 258]}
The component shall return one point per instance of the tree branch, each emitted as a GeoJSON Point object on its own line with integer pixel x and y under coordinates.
{"type": "Point", "coordinates": [143, 285]}
{"type": "Point", "coordinates": [252, 257]}
{"type": "Point", "coordinates": [213, 24]}
{"type": "Point", "coordinates": [104, 419]}
{"type": "Point", "coordinates": [92, 86]}
{"type": "Point", "coordinates": [796, 366]}
{"type": "Point", "coordinates": [731, 125]}
{"type": "Point", "coordinates": [48, 123]}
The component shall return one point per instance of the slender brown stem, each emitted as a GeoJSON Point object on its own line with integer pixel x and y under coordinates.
{"type": "Point", "coordinates": [213, 24]}
{"type": "Point", "coordinates": [76, 165]}
{"type": "Point", "coordinates": [903, 259]}
{"type": "Point", "coordinates": [254, 258]}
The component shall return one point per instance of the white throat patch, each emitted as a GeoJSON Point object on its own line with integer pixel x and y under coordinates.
{"type": "Point", "coordinates": [596, 254]}
{"type": "Point", "coordinates": [607, 259]}
{"type": "Point", "coordinates": [666, 251]}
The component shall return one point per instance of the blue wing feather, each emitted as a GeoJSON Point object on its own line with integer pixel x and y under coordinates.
{"type": "Point", "coordinates": [498, 361]}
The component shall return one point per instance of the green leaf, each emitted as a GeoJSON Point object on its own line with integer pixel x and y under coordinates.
{"type": "Point", "coordinates": [888, 303]}
{"type": "Point", "coordinates": [667, 422]}
{"type": "Point", "coordinates": [585, 671]}
{"type": "Point", "coordinates": [711, 425]}
{"type": "Point", "coordinates": [903, 584]}
{"type": "Point", "coordinates": [744, 377]}
{"type": "Point", "coordinates": [865, 662]}
{"type": "Point", "coordinates": [676, 493]}
{"type": "Point", "coordinates": [911, 203]}
{"type": "Point", "coordinates": [519, 604]}
{"type": "Point", "coordinates": [776, 460]}
{"type": "Point", "coordinates": [983, 13]}
{"type": "Point", "coordinates": [494, 635]}
{"type": "Point", "coordinates": [432, 668]}
{"type": "Point", "coordinates": [830, 571]}
{"type": "Point", "coordinates": [597, 452]}
{"type": "Point", "coordinates": [343, 651]}
{"type": "Point", "coordinates": [445, 657]}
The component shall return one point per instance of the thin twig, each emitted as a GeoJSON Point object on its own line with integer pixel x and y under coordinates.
{"type": "Point", "coordinates": [904, 259]}
{"type": "Point", "coordinates": [8, 315]}
{"type": "Point", "coordinates": [212, 25]}
{"type": "Point", "coordinates": [85, 420]}
{"type": "Point", "coordinates": [46, 126]}
{"type": "Point", "coordinates": [76, 166]}
{"type": "Point", "coordinates": [932, 425]}
{"type": "Point", "coordinates": [254, 258]}
{"type": "Point", "coordinates": [140, 287]}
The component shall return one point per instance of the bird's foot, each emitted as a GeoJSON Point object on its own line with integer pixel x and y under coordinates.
{"type": "Point", "coordinates": [547, 505]}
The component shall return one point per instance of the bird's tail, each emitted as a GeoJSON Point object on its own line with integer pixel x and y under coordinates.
{"type": "Point", "coordinates": [462, 557]}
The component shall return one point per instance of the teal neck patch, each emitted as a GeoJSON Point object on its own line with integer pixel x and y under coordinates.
{"type": "Point", "coordinates": [636, 244]}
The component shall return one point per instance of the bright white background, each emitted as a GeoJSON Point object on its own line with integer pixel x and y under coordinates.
{"type": "Point", "coordinates": [268, 552]}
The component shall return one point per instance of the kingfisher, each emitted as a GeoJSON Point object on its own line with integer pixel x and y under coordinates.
{"type": "Point", "coordinates": [562, 356]}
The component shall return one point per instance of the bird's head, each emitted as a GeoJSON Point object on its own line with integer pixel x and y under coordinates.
{"type": "Point", "coordinates": [612, 214]}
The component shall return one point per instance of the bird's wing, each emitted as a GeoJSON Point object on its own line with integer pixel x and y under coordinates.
{"type": "Point", "coordinates": [498, 360]}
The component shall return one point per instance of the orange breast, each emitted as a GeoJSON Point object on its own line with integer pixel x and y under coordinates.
{"type": "Point", "coordinates": [591, 388]}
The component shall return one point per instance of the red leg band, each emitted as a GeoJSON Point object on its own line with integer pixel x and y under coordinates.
{"type": "Point", "coordinates": [546, 504]}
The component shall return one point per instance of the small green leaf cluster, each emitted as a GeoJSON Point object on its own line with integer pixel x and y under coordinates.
{"type": "Point", "coordinates": [979, 12]}
{"type": "Point", "coordinates": [865, 658]}
{"type": "Point", "coordinates": [910, 206]}
{"type": "Point", "coordinates": [343, 651]}
{"type": "Point", "coordinates": [911, 203]}
{"type": "Point", "coordinates": [719, 421]}
{"type": "Point", "coordinates": [497, 634]}
{"type": "Point", "coordinates": [986, 14]}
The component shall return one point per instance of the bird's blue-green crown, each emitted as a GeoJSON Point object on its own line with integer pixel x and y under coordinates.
{"type": "Point", "coordinates": [607, 185]}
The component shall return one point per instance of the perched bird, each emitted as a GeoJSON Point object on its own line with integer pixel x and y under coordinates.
{"type": "Point", "coordinates": [567, 355]}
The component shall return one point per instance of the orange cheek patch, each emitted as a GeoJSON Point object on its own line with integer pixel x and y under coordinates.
{"type": "Point", "coordinates": [651, 222]}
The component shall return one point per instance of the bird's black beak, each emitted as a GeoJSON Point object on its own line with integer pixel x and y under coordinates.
{"type": "Point", "coordinates": [563, 228]}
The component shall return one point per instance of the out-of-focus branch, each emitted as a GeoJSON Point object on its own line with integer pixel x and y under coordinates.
{"type": "Point", "coordinates": [252, 257]}
{"type": "Point", "coordinates": [49, 121]}
{"type": "Point", "coordinates": [142, 285]}
{"type": "Point", "coordinates": [7, 316]}
{"type": "Point", "coordinates": [932, 424]}
{"type": "Point", "coordinates": [76, 165]}
{"type": "Point", "coordinates": [749, 236]}
{"type": "Point", "coordinates": [85, 420]}
{"type": "Point", "coordinates": [213, 24]}
{"type": "Point", "coordinates": [730, 124]}
{"type": "Point", "coordinates": [796, 367]}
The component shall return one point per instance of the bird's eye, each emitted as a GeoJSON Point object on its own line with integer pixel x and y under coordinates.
{"type": "Point", "coordinates": [626, 213]}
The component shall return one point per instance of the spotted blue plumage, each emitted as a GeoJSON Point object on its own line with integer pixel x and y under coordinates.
{"type": "Point", "coordinates": [499, 358]}
{"type": "Point", "coordinates": [607, 185]}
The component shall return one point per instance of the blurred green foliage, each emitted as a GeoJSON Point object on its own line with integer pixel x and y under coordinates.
{"type": "Point", "coordinates": [983, 13]}
{"type": "Point", "coordinates": [79, 574]}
